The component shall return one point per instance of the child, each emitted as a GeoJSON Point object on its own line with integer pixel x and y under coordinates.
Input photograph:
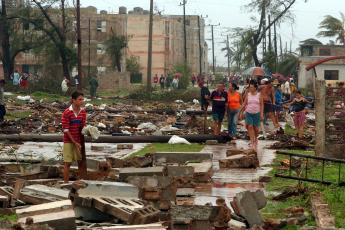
{"type": "Point", "coordinates": [73, 120]}
{"type": "Point", "coordinates": [299, 103]}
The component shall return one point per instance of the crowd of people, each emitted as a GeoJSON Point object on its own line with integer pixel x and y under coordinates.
{"type": "Point", "coordinates": [261, 100]}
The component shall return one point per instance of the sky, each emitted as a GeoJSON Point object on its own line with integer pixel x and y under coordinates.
{"type": "Point", "coordinates": [231, 14]}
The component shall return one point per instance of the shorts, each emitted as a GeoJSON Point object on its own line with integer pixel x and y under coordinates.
{"type": "Point", "coordinates": [268, 107]}
{"type": "Point", "coordinates": [218, 116]}
{"type": "Point", "coordinates": [70, 153]}
{"type": "Point", "coordinates": [253, 119]}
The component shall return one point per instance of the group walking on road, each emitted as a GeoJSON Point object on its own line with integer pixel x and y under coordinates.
{"type": "Point", "coordinates": [256, 104]}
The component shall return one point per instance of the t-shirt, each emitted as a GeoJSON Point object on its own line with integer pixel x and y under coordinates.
{"type": "Point", "coordinates": [219, 101]}
{"type": "Point", "coordinates": [73, 123]}
{"type": "Point", "coordinates": [234, 100]}
{"type": "Point", "coordinates": [204, 92]}
{"type": "Point", "coordinates": [16, 77]}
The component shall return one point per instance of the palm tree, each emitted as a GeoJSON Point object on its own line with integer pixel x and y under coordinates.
{"type": "Point", "coordinates": [333, 27]}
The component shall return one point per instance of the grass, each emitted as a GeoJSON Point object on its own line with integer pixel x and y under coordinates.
{"type": "Point", "coordinates": [334, 195]}
{"type": "Point", "coordinates": [163, 147]}
{"type": "Point", "coordinates": [11, 218]}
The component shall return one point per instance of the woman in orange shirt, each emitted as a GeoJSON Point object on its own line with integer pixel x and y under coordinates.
{"type": "Point", "coordinates": [234, 106]}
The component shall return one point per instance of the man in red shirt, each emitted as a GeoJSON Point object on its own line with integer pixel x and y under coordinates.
{"type": "Point", "coordinates": [73, 120]}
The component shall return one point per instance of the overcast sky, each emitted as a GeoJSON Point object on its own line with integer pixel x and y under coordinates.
{"type": "Point", "coordinates": [230, 14]}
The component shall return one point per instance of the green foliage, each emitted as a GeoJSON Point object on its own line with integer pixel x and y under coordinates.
{"type": "Point", "coordinates": [12, 218]}
{"type": "Point", "coordinates": [114, 46]}
{"type": "Point", "coordinates": [288, 65]}
{"type": "Point", "coordinates": [185, 78]}
{"type": "Point", "coordinates": [166, 96]}
{"type": "Point", "coordinates": [162, 147]}
{"type": "Point", "coordinates": [333, 27]}
{"type": "Point", "coordinates": [269, 60]}
{"type": "Point", "coordinates": [133, 65]}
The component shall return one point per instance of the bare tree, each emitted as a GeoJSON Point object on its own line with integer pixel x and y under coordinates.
{"type": "Point", "coordinates": [279, 10]}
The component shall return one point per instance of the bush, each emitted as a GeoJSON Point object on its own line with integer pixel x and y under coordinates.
{"type": "Point", "coordinates": [167, 96]}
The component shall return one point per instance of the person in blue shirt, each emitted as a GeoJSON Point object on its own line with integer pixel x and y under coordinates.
{"type": "Point", "coordinates": [15, 78]}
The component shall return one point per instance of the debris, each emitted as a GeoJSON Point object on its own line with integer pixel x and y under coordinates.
{"type": "Point", "coordinates": [163, 158]}
{"type": "Point", "coordinates": [150, 171]}
{"type": "Point", "coordinates": [247, 205]}
{"type": "Point", "coordinates": [91, 131]}
{"type": "Point", "coordinates": [321, 212]}
{"type": "Point", "coordinates": [240, 161]}
{"type": "Point", "coordinates": [178, 140]}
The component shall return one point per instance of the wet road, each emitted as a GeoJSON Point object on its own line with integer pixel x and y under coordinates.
{"type": "Point", "coordinates": [228, 182]}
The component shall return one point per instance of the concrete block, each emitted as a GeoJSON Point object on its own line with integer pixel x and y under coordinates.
{"type": "Point", "coordinates": [132, 211]}
{"type": "Point", "coordinates": [58, 220]}
{"type": "Point", "coordinates": [240, 161]}
{"type": "Point", "coordinates": [150, 171]}
{"type": "Point", "coordinates": [202, 171]}
{"type": "Point", "coordinates": [106, 189]}
{"type": "Point", "coordinates": [185, 192]}
{"type": "Point", "coordinates": [116, 162]}
{"type": "Point", "coordinates": [163, 158]}
{"type": "Point", "coordinates": [245, 205]}
{"type": "Point", "coordinates": [45, 208]}
{"type": "Point", "coordinates": [180, 171]}
{"type": "Point", "coordinates": [235, 151]}
{"type": "Point", "coordinates": [196, 212]}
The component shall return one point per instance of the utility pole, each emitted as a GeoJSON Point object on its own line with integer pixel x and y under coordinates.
{"type": "Point", "coordinates": [281, 48]}
{"type": "Point", "coordinates": [269, 35]}
{"type": "Point", "coordinates": [228, 53]}
{"type": "Point", "coordinates": [213, 57]}
{"type": "Point", "coordinates": [275, 47]}
{"type": "Point", "coordinates": [149, 57]}
{"type": "Point", "coordinates": [80, 87]}
{"type": "Point", "coordinates": [89, 61]}
{"type": "Point", "coordinates": [201, 52]}
{"type": "Point", "coordinates": [184, 31]}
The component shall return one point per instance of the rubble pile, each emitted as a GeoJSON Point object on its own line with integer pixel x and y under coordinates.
{"type": "Point", "coordinates": [117, 119]}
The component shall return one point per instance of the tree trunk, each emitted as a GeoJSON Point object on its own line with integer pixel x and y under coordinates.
{"type": "Point", "coordinates": [5, 43]}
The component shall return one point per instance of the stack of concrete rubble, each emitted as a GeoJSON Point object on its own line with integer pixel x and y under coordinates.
{"type": "Point", "coordinates": [148, 190]}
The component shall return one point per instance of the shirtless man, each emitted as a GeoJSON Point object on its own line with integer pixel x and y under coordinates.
{"type": "Point", "coordinates": [267, 92]}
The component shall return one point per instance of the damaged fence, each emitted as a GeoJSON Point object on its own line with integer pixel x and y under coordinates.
{"type": "Point", "coordinates": [311, 169]}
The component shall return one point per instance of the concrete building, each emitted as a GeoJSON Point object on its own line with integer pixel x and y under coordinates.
{"type": "Point", "coordinates": [98, 26]}
{"type": "Point", "coordinates": [168, 41]}
{"type": "Point", "coordinates": [332, 70]}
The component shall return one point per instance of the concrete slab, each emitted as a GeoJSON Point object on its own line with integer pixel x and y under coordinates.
{"type": "Point", "coordinates": [196, 212]}
{"type": "Point", "coordinates": [163, 158]}
{"type": "Point", "coordinates": [107, 189]}
{"type": "Point", "coordinates": [149, 171]}
{"type": "Point", "coordinates": [50, 207]}
{"type": "Point", "coordinates": [180, 171]}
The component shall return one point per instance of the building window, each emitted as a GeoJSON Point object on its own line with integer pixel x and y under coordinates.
{"type": "Point", "coordinates": [325, 52]}
{"type": "Point", "coordinates": [101, 26]}
{"type": "Point", "coordinates": [331, 74]}
{"type": "Point", "coordinates": [100, 49]}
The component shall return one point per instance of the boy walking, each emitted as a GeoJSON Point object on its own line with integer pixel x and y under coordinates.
{"type": "Point", "coordinates": [73, 120]}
